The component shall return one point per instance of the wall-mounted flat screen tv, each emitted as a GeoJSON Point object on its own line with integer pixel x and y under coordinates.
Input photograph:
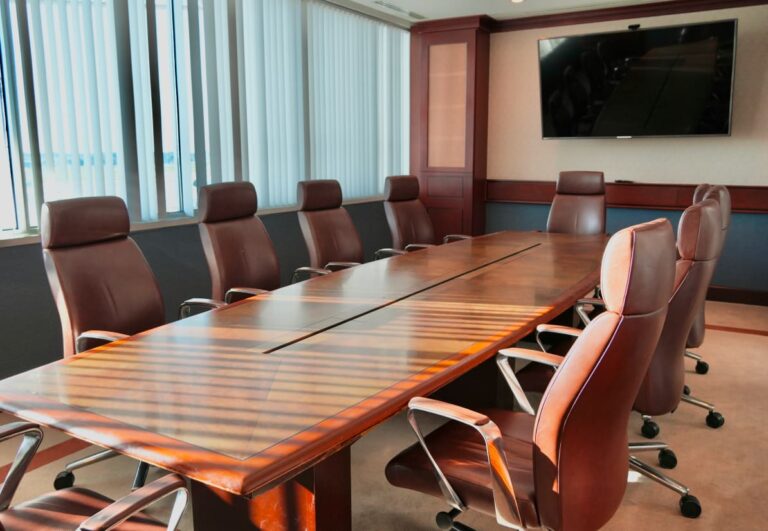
{"type": "Point", "coordinates": [670, 81]}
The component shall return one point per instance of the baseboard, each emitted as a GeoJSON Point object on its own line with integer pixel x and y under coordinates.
{"type": "Point", "coordinates": [742, 296]}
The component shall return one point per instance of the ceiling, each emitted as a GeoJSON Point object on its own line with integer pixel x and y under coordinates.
{"type": "Point", "coordinates": [500, 9]}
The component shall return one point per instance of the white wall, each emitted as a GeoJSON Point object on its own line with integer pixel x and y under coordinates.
{"type": "Point", "coordinates": [517, 151]}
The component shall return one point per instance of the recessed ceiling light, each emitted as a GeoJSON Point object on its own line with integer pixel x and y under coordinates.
{"type": "Point", "coordinates": [517, 1]}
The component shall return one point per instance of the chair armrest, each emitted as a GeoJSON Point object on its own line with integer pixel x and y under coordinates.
{"type": "Point", "coordinates": [448, 238]}
{"type": "Point", "coordinates": [238, 294]}
{"type": "Point", "coordinates": [505, 502]}
{"type": "Point", "coordinates": [555, 329]}
{"type": "Point", "coordinates": [417, 246]}
{"type": "Point", "coordinates": [95, 338]}
{"type": "Point", "coordinates": [186, 307]}
{"type": "Point", "coordinates": [502, 361]}
{"type": "Point", "coordinates": [526, 354]}
{"type": "Point", "coordinates": [338, 266]}
{"type": "Point", "coordinates": [386, 252]}
{"type": "Point", "coordinates": [589, 301]}
{"type": "Point", "coordinates": [138, 500]}
{"type": "Point", "coordinates": [309, 271]}
{"type": "Point", "coordinates": [33, 436]}
{"type": "Point", "coordinates": [592, 301]}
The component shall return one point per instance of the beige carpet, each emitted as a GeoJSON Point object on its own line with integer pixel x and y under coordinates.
{"type": "Point", "coordinates": [727, 469]}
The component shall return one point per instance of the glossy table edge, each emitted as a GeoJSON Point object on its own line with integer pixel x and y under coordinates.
{"type": "Point", "coordinates": [243, 478]}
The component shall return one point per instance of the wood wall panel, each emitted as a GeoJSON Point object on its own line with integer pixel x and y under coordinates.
{"type": "Point", "coordinates": [749, 199]}
{"type": "Point", "coordinates": [447, 105]}
{"type": "Point", "coordinates": [444, 186]}
{"type": "Point", "coordinates": [451, 174]}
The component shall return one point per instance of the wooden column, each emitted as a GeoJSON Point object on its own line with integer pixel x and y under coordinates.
{"type": "Point", "coordinates": [449, 120]}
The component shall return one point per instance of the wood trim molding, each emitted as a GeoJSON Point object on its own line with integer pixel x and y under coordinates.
{"type": "Point", "coordinates": [670, 7]}
{"type": "Point", "coordinates": [737, 330]}
{"type": "Point", "coordinates": [744, 199]}
{"type": "Point", "coordinates": [741, 296]}
{"type": "Point", "coordinates": [476, 22]}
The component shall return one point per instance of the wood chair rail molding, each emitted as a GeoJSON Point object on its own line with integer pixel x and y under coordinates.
{"type": "Point", "coordinates": [655, 9]}
{"type": "Point", "coordinates": [653, 196]}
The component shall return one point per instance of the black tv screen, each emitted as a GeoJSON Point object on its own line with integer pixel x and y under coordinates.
{"type": "Point", "coordinates": [670, 81]}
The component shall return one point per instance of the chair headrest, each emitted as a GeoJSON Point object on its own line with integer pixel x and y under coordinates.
{"type": "Point", "coordinates": [721, 194]}
{"type": "Point", "coordinates": [319, 195]}
{"type": "Point", "coordinates": [401, 188]}
{"type": "Point", "coordinates": [699, 193]}
{"type": "Point", "coordinates": [699, 231]}
{"type": "Point", "coordinates": [225, 201]}
{"type": "Point", "coordinates": [638, 268]}
{"type": "Point", "coordinates": [83, 220]}
{"type": "Point", "coordinates": [580, 183]}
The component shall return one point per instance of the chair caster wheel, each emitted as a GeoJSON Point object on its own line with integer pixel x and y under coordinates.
{"type": "Point", "coordinates": [690, 506]}
{"type": "Point", "coordinates": [667, 459]}
{"type": "Point", "coordinates": [686, 390]}
{"type": "Point", "coordinates": [650, 429]}
{"type": "Point", "coordinates": [715, 419]}
{"type": "Point", "coordinates": [64, 480]}
{"type": "Point", "coordinates": [444, 520]}
{"type": "Point", "coordinates": [702, 367]}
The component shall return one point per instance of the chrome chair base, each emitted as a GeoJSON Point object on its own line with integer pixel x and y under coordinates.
{"type": "Point", "coordinates": [66, 478]}
{"type": "Point", "coordinates": [714, 419]}
{"type": "Point", "coordinates": [702, 367]}
{"type": "Point", "coordinates": [448, 521]}
{"type": "Point", "coordinates": [690, 507]}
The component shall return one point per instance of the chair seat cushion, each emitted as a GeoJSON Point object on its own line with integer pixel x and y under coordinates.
{"type": "Point", "coordinates": [65, 510]}
{"type": "Point", "coordinates": [460, 452]}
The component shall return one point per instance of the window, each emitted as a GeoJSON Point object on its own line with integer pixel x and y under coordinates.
{"type": "Point", "coordinates": [149, 100]}
{"type": "Point", "coordinates": [358, 99]}
{"type": "Point", "coordinates": [7, 206]}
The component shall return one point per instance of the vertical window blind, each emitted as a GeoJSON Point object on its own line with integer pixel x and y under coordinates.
{"type": "Point", "coordinates": [358, 98]}
{"type": "Point", "coordinates": [151, 99]}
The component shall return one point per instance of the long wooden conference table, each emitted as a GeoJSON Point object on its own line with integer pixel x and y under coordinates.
{"type": "Point", "coordinates": [257, 403]}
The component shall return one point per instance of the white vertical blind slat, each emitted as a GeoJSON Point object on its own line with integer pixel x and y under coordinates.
{"type": "Point", "coordinates": [323, 95]}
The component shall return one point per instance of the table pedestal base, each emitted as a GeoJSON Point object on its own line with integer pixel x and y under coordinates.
{"type": "Point", "coordinates": [317, 499]}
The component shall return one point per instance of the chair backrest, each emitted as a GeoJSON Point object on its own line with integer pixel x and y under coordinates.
{"type": "Point", "coordinates": [98, 275]}
{"type": "Point", "coordinates": [579, 203]}
{"type": "Point", "coordinates": [580, 436]}
{"type": "Point", "coordinates": [721, 195]}
{"type": "Point", "coordinates": [327, 227]}
{"type": "Point", "coordinates": [700, 191]}
{"type": "Point", "coordinates": [407, 216]}
{"type": "Point", "coordinates": [237, 246]}
{"type": "Point", "coordinates": [698, 241]}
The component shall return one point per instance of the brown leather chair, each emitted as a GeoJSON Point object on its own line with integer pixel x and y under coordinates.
{"type": "Point", "coordinates": [698, 243]}
{"type": "Point", "coordinates": [579, 203]}
{"type": "Point", "coordinates": [407, 217]}
{"type": "Point", "coordinates": [78, 508]}
{"type": "Point", "coordinates": [720, 194]}
{"type": "Point", "coordinates": [331, 237]}
{"type": "Point", "coordinates": [240, 255]}
{"type": "Point", "coordinates": [565, 466]}
{"type": "Point", "coordinates": [103, 287]}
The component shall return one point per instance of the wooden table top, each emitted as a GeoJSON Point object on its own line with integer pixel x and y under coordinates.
{"type": "Point", "coordinates": [202, 398]}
